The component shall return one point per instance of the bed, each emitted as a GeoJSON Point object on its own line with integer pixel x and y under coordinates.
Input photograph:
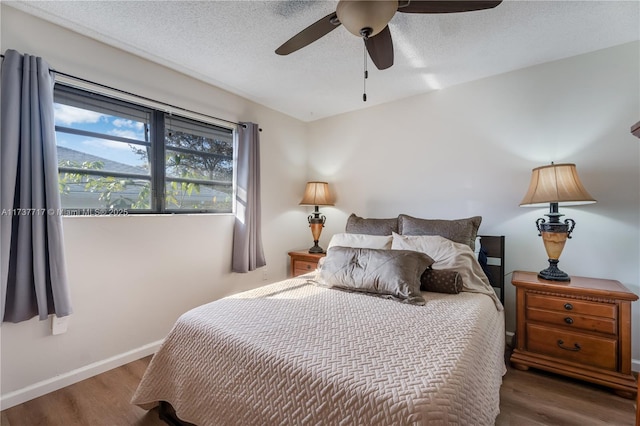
{"type": "Point", "coordinates": [309, 350]}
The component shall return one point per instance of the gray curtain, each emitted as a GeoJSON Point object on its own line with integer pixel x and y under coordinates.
{"type": "Point", "coordinates": [33, 271]}
{"type": "Point", "coordinates": [247, 233]}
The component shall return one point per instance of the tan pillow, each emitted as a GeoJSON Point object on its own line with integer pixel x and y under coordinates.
{"type": "Point", "coordinates": [462, 231]}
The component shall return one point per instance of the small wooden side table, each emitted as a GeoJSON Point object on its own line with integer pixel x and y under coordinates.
{"type": "Point", "coordinates": [580, 328]}
{"type": "Point", "coordinates": [303, 262]}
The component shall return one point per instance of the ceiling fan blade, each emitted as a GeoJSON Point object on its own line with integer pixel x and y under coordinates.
{"type": "Point", "coordinates": [310, 34]}
{"type": "Point", "coordinates": [380, 48]}
{"type": "Point", "coordinates": [452, 6]}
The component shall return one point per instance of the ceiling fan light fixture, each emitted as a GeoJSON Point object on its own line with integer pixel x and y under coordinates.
{"type": "Point", "coordinates": [370, 16]}
{"type": "Point", "coordinates": [368, 19]}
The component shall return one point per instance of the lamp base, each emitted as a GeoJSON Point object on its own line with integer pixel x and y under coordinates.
{"type": "Point", "coordinates": [552, 273]}
{"type": "Point", "coordinates": [316, 248]}
{"type": "Point", "coordinates": [316, 223]}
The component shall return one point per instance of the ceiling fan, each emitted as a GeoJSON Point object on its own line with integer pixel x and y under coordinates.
{"type": "Point", "coordinates": [369, 19]}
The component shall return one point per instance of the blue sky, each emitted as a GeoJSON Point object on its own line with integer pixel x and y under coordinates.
{"type": "Point", "coordinates": [78, 118]}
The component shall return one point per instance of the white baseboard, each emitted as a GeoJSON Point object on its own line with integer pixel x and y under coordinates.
{"type": "Point", "coordinates": [49, 385]}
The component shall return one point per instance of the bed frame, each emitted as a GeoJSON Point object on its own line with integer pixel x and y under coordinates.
{"type": "Point", "coordinates": [493, 246]}
{"type": "Point", "coordinates": [168, 415]}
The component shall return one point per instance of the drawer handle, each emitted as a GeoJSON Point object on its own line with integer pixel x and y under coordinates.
{"type": "Point", "coordinates": [576, 347]}
{"type": "Point", "coordinates": [308, 266]}
{"type": "Point", "coordinates": [568, 320]}
{"type": "Point", "coordinates": [568, 306]}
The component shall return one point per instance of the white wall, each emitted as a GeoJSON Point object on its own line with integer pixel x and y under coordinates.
{"type": "Point", "coordinates": [454, 153]}
{"type": "Point", "coordinates": [131, 277]}
{"type": "Point", "coordinates": [469, 150]}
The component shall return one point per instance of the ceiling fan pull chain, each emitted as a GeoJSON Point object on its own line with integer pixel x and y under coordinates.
{"type": "Point", "coordinates": [366, 75]}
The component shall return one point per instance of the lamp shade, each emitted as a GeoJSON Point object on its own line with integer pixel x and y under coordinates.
{"type": "Point", "coordinates": [317, 194]}
{"type": "Point", "coordinates": [556, 183]}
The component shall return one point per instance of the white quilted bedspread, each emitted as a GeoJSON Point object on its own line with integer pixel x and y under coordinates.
{"type": "Point", "coordinates": [293, 353]}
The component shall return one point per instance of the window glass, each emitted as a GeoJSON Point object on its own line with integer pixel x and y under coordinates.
{"type": "Point", "coordinates": [197, 196]}
{"type": "Point", "coordinates": [117, 155]}
{"type": "Point", "coordinates": [199, 166]}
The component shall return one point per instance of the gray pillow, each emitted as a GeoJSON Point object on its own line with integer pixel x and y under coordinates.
{"type": "Point", "coordinates": [441, 281]}
{"type": "Point", "coordinates": [392, 274]}
{"type": "Point", "coordinates": [360, 225]}
{"type": "Point", "coordinates": [462, 231]}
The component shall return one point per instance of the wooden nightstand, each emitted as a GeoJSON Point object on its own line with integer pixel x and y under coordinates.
{"type": "Point", "coordinates": [581, 329]}
{"type": "Point", "coordinates": [303, 262]}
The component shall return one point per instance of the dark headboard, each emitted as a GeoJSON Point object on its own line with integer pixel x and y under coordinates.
{"type": "Point", "coordinates": [493, 246]}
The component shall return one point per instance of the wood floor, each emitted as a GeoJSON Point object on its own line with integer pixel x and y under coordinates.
{"type": "Point", "coordinates": [528, 398]}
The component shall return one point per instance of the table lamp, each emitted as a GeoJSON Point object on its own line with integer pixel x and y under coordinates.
{"type": "Point", "coordinates": [555, 184]}
{"type": "Point", "coordinates": [316, 194]}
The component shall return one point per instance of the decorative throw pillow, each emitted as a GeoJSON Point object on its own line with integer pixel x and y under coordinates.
{"type": "Point", "coordinates": [450, 255]}
{"type": "Point", "coordinates": [441, 281]}
{"type": "Point", "coordinates": [392, 274]}
{"type": "Point", "coordinates": [462, 231]}
{"type": "Point", "coordinates": [361, 241]}
{"type": "Point", "coordinates": [360, 225]}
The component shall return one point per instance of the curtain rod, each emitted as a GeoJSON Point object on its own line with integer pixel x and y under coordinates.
{"type": "Point", "coordinates": [124, 92]}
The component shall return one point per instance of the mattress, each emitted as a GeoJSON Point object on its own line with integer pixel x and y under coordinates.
{"type": "Point", "coordinates": [296, 353]}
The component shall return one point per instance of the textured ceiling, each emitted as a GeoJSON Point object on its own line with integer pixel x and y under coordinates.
{"type": "Point", "coordinates": [231, 44]}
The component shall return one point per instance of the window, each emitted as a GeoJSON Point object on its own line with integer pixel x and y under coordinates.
{"type": "Point", "coordinates": [115, 156]}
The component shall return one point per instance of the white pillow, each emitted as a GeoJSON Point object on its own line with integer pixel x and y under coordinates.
{"type": "Point", "coordinates": [361, 241]}
{"type": "Point", "coordinates": [440, 249]}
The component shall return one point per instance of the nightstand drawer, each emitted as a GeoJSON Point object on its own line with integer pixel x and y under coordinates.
{"type": "Point", "coordinates": [574, 306]}
{"type": "Point", "coordinates": [573, 320]}
{"type": "Point", "coordinates": [577, 347]}
{"type": "Point", "coordinates": [303, 262]}
{"type": "Point", "coordinates": [303, 267]}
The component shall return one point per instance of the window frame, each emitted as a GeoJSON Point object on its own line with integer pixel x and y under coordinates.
{"type": "Point", "coordinates": [157, 155]}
